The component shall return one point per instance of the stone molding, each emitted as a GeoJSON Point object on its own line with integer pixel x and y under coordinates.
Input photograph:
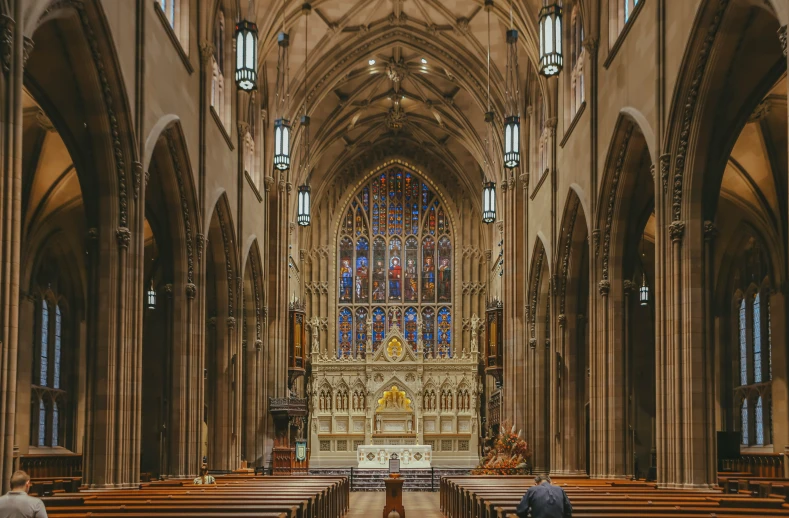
{"type": "Point", "coordinates": [612, 197]}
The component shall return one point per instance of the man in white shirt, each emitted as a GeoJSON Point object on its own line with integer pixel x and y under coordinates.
{"type": "Point", "coordinates": [17, 503]}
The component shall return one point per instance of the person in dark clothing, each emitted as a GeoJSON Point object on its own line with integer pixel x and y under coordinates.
{"type": "Point", "coordinates": [545, 501]}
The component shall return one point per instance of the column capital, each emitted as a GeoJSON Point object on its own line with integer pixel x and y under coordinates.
{"type": "Point", "coordinates": [590, 44]}
{"type": "Point", "coordinates": [206, 51]}
{"type": "Point", "coordinates": [191, 290]}
{"type": "Point", "coordinates": [710, 230]}
{"type": "Point", "coordinates": [604, 287]}
{"type": "Point", "coordinates": [628, 286]}
{"type": "Point", "coordinates": [211, 322]}
{"type": "Point", "coordinates": [168, 290]}
{"type": "Point", "coordinates": [533, 343]}
{"type": "Point", "coordinates": [258, 344]}
{"type": "Point", "coordinates": [677, 230]}
{"type": "Point", "coordinates": [123, 237]}
{"type": "Point", "coordinates": [562, 319]}
{"type": "Point", "coordinates": [231, 322]}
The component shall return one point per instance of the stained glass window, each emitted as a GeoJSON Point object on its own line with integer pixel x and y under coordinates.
{"type": "Point", "coordinates": [44, 345]}
{"type": "Point", "coordinates": [410, 327]}
{"type": "Point", "coordinates": [444, 332]}
{"type": "Point", "coordinates": [395, 249]}
{"type": "Point", "coordinates": [56, 359]}
{"type": "Point", "coordinates": [42, 423]}
{"type": "Point", "coordinates": [757, 341]}
{"type": "Point", "coordinates": [361, 330]}
{"type": "Point", "coordinates": [379, 270]}
{"type": "Point", "coordinates": [744, 421]}
{"type": "Point", "coordinates": [346, 271]}
{"type": "Point", "coordinates": [759, 422]}
{"type": "Point", "coordinates": [362, 269]}
{"type": "Point", "coordinates": [428, 330]}
{"type": "Point", "coordinates": [428, 270]}
{"type": "Point", "coordinates": [743, 346]}
{"type": "Point", "coordinates": [379, 327]}
{"type": "Point", "coordinates": [345, 337]}
{"type": "Point", "coordinates": [55, 423]}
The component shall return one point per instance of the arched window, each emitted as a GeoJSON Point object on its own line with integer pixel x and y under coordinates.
{"type": "Point", "coordinates": [395, 257]}
{"type": "Point", "coordinates": [48, 396]}
{"type": "Point", "coordinates": [168, 8]}
{"type": "Point", "coordinates": [753, 346]}
{"type": "Point", "coordinates": [744, 421]}
{"type": "Point", "coordinates": [621, 12]}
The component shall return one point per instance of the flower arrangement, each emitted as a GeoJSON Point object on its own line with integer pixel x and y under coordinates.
{"type": "Point", "coordinates": [505, 454]}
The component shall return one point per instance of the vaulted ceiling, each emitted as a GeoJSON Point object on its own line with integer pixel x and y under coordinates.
{"type": "Point", "coordinates": [402, 74]}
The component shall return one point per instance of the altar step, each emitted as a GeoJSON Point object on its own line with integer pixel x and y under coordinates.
{"type": "Point", "coordinates": [373, 479]}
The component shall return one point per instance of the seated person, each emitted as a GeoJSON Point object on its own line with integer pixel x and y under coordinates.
{"type": "Point", "coordinates": [545, 501]}
{"type": "Point", "coordinates": [17, 503]}
{"type": "Point", "coordinates": [204, 478]}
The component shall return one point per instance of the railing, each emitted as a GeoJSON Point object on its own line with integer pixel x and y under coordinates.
{"type": "Point", "coordinates": [757, 464]}
{"type": "Point", "coordinates": [52, 465]}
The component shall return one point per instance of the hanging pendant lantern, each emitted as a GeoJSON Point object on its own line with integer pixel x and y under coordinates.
{"type": "Point", "coordinates": [303, 217]}
{"type": "Point", "coordinates": [281, 124]}
{"type": "Point", "coordinates": [512, 123]}
{"type": "Point", "coordinates": [246, 55]}
{"type": "Point", "coordinates": [550, 20]}
{"type": "Point", "coordinates": [150, 300]}
{"type": "Point", "coordinates": [512, 152]}
{"type": "Point", "coordinates": [488, 202]}
{"type": "Point", "coordinates": [282, 144]}
{"type": "Point", "coordinates": [643, 291]}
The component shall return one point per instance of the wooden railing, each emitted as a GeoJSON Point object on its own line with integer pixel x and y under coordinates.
{"type": "Point", "coordinates": [52, 465]}
{"type": "Point", "coordinates": [757, 464]}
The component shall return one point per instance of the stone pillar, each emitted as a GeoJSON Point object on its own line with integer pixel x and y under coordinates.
{"type": "Point", "coordinates": [628, 289]}
{"type": "Point", "coordinates": [600, 422]}
{"type": "Point", "coordinates": [14, 48]}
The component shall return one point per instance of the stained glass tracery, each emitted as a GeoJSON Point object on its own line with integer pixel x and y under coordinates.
{"type": "Point", "coordinates": [395, 260]}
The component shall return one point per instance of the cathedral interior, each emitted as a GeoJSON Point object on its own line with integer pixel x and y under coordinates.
{"type": "Point", "coordinates": [295, 237]}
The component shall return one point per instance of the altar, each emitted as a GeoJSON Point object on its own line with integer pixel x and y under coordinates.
{"type": "Point", "coordinates": [411, 456]}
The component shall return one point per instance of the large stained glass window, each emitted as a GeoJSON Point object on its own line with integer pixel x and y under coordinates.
{"type": "Point", "coordinates": [395, 264]}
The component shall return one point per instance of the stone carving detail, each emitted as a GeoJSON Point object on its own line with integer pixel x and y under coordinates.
{"type": "Point", "coordinates": [782, 37]}
{"type": "Point", "coordinates": [123, 236]}
{"type": "Point", "coordinates": [179, 178]}
{"type": "Point", "coordinates": [710, 230]}
{"type": "Point", "coordinates": [677, 230]}
{"type": "Point", "coordinates": [689, 107]}
{"type": "Point", "coordinates": [604, 287]}
{"type": "Point", "coordinates": [665, 162]}
{"type": "Point", "coordinates": [191, 290]}
{"type": "Point", "coordinates": [137, 168]}
{"type": "Point", "coordinates": [628, 287]}
{"type": "Point", "coordinates": [535, 287]}
{"type": "Point", "coordinates": [226, 241]}
{"type": "Point", "coordinates": [596, 240]}
{"type": "Point", "coordinates": [614, 187]}
{"type": "Point", "coordinates": [6, 41]}
{"type": "Point", "coordinates": [568, 241]}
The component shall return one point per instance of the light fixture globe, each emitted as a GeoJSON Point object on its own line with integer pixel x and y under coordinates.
{"type": "Point", "coordinates": [150, 298]}
{"type": "Point", "coordinates": [643, 291]}
{"type": "Point", "coordinates": [303, 216]}
{"type": "Point", "coordinates": [488, 202]}
{"type": "Point", "coordinates": [550, 21]}
{"type": "Point", "coordinates": [282, 144]}
{"type": "Point", "coordinates": [512, 150]}
{"type": "Point", "coordinates": [246, 55]}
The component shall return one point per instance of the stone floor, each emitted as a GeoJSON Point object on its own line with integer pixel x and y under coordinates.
{"type": "Point", "coordinates": [417, 504]}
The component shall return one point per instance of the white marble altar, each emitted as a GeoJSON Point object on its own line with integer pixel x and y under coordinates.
{"type": "Point", "coordinates": [411, 456]}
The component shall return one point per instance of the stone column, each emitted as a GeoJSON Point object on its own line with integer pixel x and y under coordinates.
{"type": "Point", "coordinates": [600, 422]}
{"type": "Point", "coordinates": [674, 395]}
{"type": "Point", "coordinates": [14, 51]}
{"type": "Point", "coordinates": [628, 288]}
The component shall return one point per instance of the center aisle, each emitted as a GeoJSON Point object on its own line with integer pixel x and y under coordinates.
{"type": "Point", "coordinates": [417, 504]}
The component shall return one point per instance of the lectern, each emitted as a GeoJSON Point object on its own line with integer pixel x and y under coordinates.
{"type": "Point", "coordinates": [394, 488]}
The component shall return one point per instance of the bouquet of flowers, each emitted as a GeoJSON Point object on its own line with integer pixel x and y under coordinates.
{"type": "Point", "coordinates": [505, 454]}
